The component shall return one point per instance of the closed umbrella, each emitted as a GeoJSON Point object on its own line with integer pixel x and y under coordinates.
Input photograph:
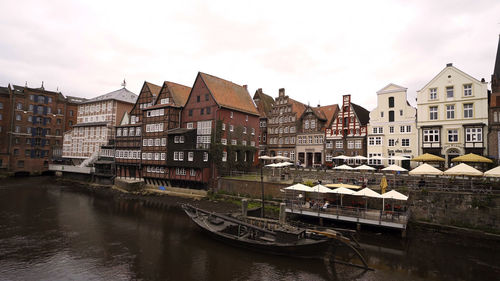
{"type": "Point", "coordinates": [383, 185]}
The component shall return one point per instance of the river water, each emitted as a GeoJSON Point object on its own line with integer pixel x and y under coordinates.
{"type": "Point", "coordinates": [50, 232]}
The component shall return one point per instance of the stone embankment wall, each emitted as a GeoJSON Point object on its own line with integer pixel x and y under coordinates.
{"type": "Point", "coordinates": [442, 201]}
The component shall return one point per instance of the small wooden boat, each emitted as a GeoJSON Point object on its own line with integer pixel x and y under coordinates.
{"type": "Point", "coordinates": [281, 240]}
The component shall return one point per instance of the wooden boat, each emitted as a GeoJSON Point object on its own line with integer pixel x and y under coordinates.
{"type": "Point", "coordinates": [281, 240]}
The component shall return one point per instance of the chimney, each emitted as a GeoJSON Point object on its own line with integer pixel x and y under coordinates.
{"type": "Point", "coordinates": [483, 80]}
{"type": "Point", "coordinates": [245, 87]}
{"type": "Point", "coordinates": [449, 64]}
{"type": "Point", "coordinates": [282, 91]}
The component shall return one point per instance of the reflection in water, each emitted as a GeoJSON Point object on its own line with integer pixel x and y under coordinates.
{"type": "Point", "coordinates": [50, 233]}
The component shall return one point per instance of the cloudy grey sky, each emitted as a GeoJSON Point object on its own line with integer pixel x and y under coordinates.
{"type": "Point", "coordinates": [316, 50]}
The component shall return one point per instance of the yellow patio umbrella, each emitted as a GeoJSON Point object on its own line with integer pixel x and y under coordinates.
{"type": "Point", "coordinates": [383, 185]}
{"type": "Point", "coordinates": [471, 157]}
{"type": "Point", "coordinates": [427, 157]}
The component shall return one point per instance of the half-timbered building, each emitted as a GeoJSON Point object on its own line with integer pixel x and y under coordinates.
{"type": "Point", "coordinates": [128, 141]}
{"type": "Point", "coordinates": [157, 121]}
{"type": "Point", "coordinates": [347, 134]}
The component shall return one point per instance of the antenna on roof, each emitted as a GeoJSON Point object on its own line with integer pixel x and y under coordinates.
{"type": "Point", "coordinates": [42, 86]}
{"type": "Point", "coordinates": [124, 84]}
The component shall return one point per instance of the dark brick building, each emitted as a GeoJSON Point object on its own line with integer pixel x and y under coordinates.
{"type": "Point", "coordinates": [33, 121]}
{"type": "Point", "coordinates": [226, 122]}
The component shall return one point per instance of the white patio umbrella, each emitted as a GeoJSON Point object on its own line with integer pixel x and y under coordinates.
{"type": "Point", "coordinates": [364, 168]}
{"type": "Point", "coordinates": [425, 169]}
{"type": "Point", "coordinates": [494, 173]}
{"type": "Point", "coordinates": [393, 194]}
{"type": "Point", "coordinates": [282, 158]}
{"type": "Point", "coordinates": [321, 189]}
{"type": "Point", "coordinates": [397, 157]}
{"type": "Point", "coordinates": [366, 192]}
{"type": "Point", "coordinates": [299, 187]}
{"type": "Point", "coordinates": [341, 191]}
{"type": "Point", "coordinates": [343, 167]}
{"type": "Point", "coordinates": [463, 169]}
{"type": "Point", "coordinates": [342, 157]}
{"type": "Point", "coordinates": [394, 168]}
{"type": "Point", "coordinates": [265, 157]}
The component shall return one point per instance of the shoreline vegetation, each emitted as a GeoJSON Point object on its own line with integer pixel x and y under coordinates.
{"type": "Point", "coordinates": [222, 202]}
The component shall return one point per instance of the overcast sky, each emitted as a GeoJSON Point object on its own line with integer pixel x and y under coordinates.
{"type": "Point", "coordinates": [316, 50]}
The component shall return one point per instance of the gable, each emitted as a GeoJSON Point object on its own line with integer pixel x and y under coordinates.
{"type": "Point", "coordinates": [145, 96]}
{"type": "Point", "coordinates": [391, 88]}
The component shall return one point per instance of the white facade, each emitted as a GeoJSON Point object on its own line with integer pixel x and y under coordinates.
{"type": "Point", "coordinates": [392, 130]}
{"type": "Point", "coordinates": [452, 114]}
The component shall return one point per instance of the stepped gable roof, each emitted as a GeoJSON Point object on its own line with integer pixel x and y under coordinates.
{"type": "Point", "coordinates": [264, 104]}
{"type": "Point", "coordinates": [228, 94]}
{"type": "Point", "coordinates": [362, 113]}
{"type": "Point", "coordinates": [180, 93]}
{"type": "Point", "coordinates": [122, 94]}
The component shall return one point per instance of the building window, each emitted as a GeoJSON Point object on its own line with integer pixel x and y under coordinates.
{"type": "Point", "coordinates": [202, 111]}
{"type": "Point", "coordinates": [339, 144]}
{"type": "Point", "coordinates": [181, 156]}
{"type": "Point", "coordinates": [350, 144]}
{"type": "Point", "coordinates": [244, 130]}
{"type": "Point", "coordinates": [474, 134]}
{"type": "Point", "coordinates": [197, 98]}
{"type": "Point", "coordinates": [391, 142]}
{"type": "Point", "coordinates": [223, 141]}
{"type": "Point", "coordinates": [231, 128]}
{"type": "Point", "coordinates": [205, 156]}
{"type": "Point", "coordinates": [190, 156]}
{"type": "Point", "coordinates": [391, 115]}
{"type": "Point", "coordinates": [253, 131]}
{"type": "Point", "coordinates": [405, 142]}
{"type": "Point", "coordinates": [234, 142]}
{"type": "Point", "coordinates": [190, 125]}
{"type": "Point", "coordinates": [468, 110]}
{"type": "Point", "coordinates": [192, 172]}
{"type": "Point", "coordinates": [433, 113]}
{"type": "Point", "coordinates": [450, 112]}
{"type": "Point", "coordinates": [453, 135]}
{"type": "Point", "coordinates": [206, 97]}
{"type": "Point", "coordinates": [431, 135]}
{"type": "Point", "coordinates": [374, 141]}
{"type": "Point", "coordinates": [181, 171]}
{"type": "Point", "coordinates": [381, 114]}
{"type": "Point", "coordinates": [231, 114]}
{"type": "Point", "coordinates": [391, 102]}
{"type": "Point", "coordinates": [18, 117]}
{"type": "Point", "coordinates": [190, 112]}
{"type": "Point", "coordinates": [391, 129]}
{"type": "Point", "coordinates": [176, 156]}
{"type": "Point", "coordinates": [433, 94]}
{"type": "Point", "coordinates": [449, 91]}
{"type": "Point", "coordinates": [357, 144]}
{"type": "Point", "coordinates": [468, 90]}
{"type": "Point", "coordinates": [224, 156]}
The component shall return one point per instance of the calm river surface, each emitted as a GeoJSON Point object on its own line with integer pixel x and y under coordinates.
{"type": "Point", "coordinates": [48, 232]}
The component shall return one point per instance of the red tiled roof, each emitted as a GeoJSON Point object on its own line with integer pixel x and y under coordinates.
{"type": "Point", "coordinates": [229, 94]}
{"type": "Point", "coordinates": [180, 93]}
{"type": "Point", "coordinates": [154, 89]}
{"type": "Point", "coordinates": [297, 106]}
{"type": "Point", "coordinates": [329, 112]}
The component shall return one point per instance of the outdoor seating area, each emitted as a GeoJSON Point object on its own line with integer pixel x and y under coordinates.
{"type": "Point", "coordinates": [346, 204]}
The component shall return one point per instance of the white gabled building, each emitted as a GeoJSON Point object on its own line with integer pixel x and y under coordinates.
{"type": "Point", "coordinates": [392, 130]}
{"type": "Point", "coordinates": [452, 116]}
